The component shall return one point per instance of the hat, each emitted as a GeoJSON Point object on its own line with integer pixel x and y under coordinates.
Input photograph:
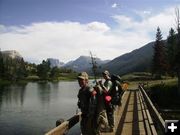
{"type": "Point", "coordinates": [106, 72]}
{"type": "Point", "coordinates": [82, 75]}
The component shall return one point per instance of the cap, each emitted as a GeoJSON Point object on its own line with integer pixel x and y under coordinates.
{"type": "Point", "coordinates": [106, 72]}
{"type": "Point", "coordinates": [82, 75]}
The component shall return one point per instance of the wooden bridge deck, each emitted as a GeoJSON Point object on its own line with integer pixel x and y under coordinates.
{"type": "Point", "coordinates": [132, 117]}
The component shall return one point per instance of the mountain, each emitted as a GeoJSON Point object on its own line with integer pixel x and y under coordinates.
{"type": "Point", "coordinates": [12, 54]}
{"type": "Point", "coordinates": [136, 61]}
{"type": "Point", "coordinates": [83, 63]}
{"type": "Point", "coordinates": [55, 62]}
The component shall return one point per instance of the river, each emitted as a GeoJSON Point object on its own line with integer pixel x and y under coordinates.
{"type": "Point", "coordinates": [33, 109]}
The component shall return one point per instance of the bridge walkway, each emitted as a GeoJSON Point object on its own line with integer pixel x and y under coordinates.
{"type": "Point", "coordinates": [132, 117]}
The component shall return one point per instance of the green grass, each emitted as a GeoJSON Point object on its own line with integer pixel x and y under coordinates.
{"type": "Point", "coordinates": [4, 82]}
{"type": "Point", "coordinates": [165, 95]}
{"type": "Point", "coordinates": [7, 82]}
{"type": "Point", "coordinates": [33, 78]}
{"type": "Point", "coordinates": [137, 76]}
{"type": "Point", "coordinates": [67, 76]}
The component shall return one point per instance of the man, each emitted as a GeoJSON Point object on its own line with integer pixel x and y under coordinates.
{"type": "Point", "coordinates": [107, 86]}
{"type": "Point", "coordinates": [87, 104]}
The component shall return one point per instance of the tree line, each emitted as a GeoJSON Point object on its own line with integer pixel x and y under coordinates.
{"type": "Point", "coordinates": [166, 58]}
{"type": "Point", "coordinates": [14, 69]}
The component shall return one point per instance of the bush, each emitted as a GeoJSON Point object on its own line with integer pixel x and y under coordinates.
{"type": "Point", "coordinates": [166, 96]}
{"type": "Point", "coordinates": [33, 78]}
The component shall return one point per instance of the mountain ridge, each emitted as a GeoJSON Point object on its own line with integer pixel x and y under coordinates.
{"type": "Point", "coordinates": [136, 60]}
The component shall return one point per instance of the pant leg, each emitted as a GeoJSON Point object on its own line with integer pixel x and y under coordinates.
{"type": "Point", "coordinates": [110, 114]}
{"type": "Point", "coordinates": [89, 126]}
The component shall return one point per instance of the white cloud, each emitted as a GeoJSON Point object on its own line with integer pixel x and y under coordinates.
{"type": "Point", "coordinates": [114, 5]}
{"type": "Point", "coordinates": [98, 27]}
{"type": "Point", "coordinates": [164, 19]}
{"type": "Point", "coordinates": [68, 40]}
{"type": "Point", "coordinates": [63, 40]}
{"type": "Point", "coordinates": [144, 14]}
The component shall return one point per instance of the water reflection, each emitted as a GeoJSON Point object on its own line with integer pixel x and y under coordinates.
{"type": "Point", "coordinates": [44, 91]}
{"type": "Point", "coordinates": [34, 108]}
{"type": "Point", "coordinates": [13, 94]}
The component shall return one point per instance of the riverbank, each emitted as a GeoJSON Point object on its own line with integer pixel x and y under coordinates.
{"type": "Point", "coordinates": [63, 77]}
{"type": "Point", "coordinates": [7, 82]}
{"type": "Point", "coordinates": [164, 95]}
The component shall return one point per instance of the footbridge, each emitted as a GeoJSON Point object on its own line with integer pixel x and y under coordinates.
{"type": "Point", "coordinates": [136, 116]}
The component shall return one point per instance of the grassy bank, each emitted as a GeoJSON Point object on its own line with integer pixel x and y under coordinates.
{"type": "Point", "coordinates": [63, 76]}
{"type": "Point", "coordinates": [166, 99]}
{"type": "Point", "coordinates": [7, 82]}
{"type": "Point", "coordinates": [4, 82]}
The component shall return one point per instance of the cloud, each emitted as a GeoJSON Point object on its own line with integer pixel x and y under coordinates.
{"type": "Point", "coordinates": [63, 40]}
{"type": "Point", "coordinates": [114, 5]}
{"type": "Point", "coordinates": [97, 26]}
{"type": "Point", "coordinates": [147, 25]}
{"type": "Point", "coordinates": [143, 14]}
{"type": "Point", "coordinates": [68, 40]}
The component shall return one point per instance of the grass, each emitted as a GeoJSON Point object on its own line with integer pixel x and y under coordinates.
{"type": "Point", "coordinates": [164, 95]}
{"type": "Point", "coordinates": [4, 82]}
{"type": "Point", "coordinates": [137, 76]}
{"type": "Point", "coordinates": [7, 82]}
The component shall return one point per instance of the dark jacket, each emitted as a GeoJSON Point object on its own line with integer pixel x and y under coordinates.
{"type": "Point", "coordinates": [83, 99]}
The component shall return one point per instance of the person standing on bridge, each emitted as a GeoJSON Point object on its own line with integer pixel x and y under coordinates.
{"type": "Point", "coordinates": [87, 104]}
{"type": "Point", "coordinates": [107, 87]}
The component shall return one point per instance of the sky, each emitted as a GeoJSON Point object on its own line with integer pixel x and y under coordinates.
{"type": "Point", "coordinates": [67, 29]}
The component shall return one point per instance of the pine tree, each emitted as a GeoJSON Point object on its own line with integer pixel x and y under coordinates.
{"type": "Point", "coordinates": [177, 51]}
{"type": "Point", "coordinates": [21, 69]}
{"type": "Point", "coordinates": [171, 48]}
{"type": "Point", "coordinates": [159, 64]}
{"type": "Point", "coordinates": [43, 70]}
{"type": "Point", "coordinates": [54, 74]}
{"type": "Point", "coordinates": [2, 70]}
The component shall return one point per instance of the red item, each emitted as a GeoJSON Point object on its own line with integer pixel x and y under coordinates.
{"type": "Point", "coordinates": [108, 98]}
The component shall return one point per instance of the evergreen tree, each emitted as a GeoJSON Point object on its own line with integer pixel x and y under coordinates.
{"type": "Point", "coordinates": [177, 52]}
{"type": "Point", "coordinates": [171, 48]}
{"type": "Point", "coordinates": [43, 70]}
{"type": "Point", "coordinates": [2, 70]}
{"type": "Point", "coordinates": [159, 64]}
{"type": "Point", "coordinates": [21, 69]}
{"type": "Point", "coordinates": [54, 72]}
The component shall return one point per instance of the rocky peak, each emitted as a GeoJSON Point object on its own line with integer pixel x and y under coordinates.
{"type": "Point", "coordinates": [55, 62]}
{"type": "Point", "coordinates": [12, 54]}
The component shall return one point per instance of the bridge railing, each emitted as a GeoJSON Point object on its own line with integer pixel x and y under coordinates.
{"type": "Point", "coordinates": [62, 127]}
{"type": "Point", "coordinates": [158, 120]}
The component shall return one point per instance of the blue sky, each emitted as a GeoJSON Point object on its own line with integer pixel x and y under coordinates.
{"type": "Point", "coordinates": [23, 12]}
{"type": "Point", "coordinates": [39, 29]}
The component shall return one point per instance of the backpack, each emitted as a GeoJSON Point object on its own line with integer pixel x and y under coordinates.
{"type": "Point", "coordinates": [116, 91]}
